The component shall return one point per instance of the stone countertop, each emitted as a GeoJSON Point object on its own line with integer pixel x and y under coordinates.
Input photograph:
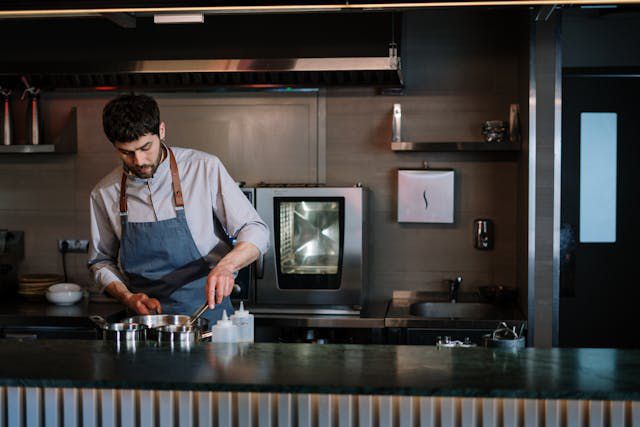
{"type": "Point", "coordinates": [307, 368]}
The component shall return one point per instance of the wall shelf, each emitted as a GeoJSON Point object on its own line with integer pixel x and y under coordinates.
{"type": "Point", "coordinates": [454, 146]}
{"type": "Point", "coordinates": [397, 144]}
{"type": "Point", "coordinates": [66, 140]}
{"type": "Point", "coordinates": [27, 149]}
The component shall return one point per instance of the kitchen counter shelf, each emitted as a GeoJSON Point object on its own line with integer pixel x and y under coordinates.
{"type": "Point", "coordinates": [301, 321]}
{"type": "Point", "coordinates": [42, 320]}
{"type": "Point", "coordinates": [19, 309]}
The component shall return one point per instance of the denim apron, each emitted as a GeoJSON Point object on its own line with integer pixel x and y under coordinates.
{"type": "Point", "coordinates": [161, 259]}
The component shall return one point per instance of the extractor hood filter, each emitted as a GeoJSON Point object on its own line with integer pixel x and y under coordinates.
{"type": "Point", "coordinates": [185, 74]}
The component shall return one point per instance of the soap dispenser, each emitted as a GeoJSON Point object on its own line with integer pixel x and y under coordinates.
{"type": "Point", "coordinates": [224, 331]}
{"type": "Point", "coordinates": [244, 321]}
{"type": "Point", "coordinates": [483, 234]}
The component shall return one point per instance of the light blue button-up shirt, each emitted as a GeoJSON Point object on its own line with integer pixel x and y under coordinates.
{"type": "Point", "coordinates": [207, 189]}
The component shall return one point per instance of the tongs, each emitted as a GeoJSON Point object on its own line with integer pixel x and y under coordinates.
{"type": "Point", "coordinates": [199, 312]}
{"type": "Point", "coordinates": [195, 316]}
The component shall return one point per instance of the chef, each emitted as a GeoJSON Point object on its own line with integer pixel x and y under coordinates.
{"type": "Point", "coordinates": [155, 245]}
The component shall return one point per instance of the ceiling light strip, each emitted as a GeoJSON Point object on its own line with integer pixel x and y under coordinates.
{"type": "Point", "coordinates": [282, 8]}
{"type": "Point", "coordinates": [179, 18]}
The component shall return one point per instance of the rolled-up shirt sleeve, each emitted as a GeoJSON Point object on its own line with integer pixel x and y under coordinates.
{"type": "Point", "coordinates": [103, 246]}
{"type": "Point", "coordinates": [234, 211]}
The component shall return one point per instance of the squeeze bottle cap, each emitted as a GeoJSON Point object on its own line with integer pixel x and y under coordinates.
{"type": "Point", "coordinates": [241, 312]}
{"type": "Point", "coordinates": [224, 322]}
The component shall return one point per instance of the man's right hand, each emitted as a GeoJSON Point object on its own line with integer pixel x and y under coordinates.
{"type": "Point", "coordinates": [142, 304]}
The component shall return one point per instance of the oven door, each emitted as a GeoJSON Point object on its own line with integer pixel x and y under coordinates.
{"type": "Point", "coordinates": [309, 241]}
{"type": "Point", "coordinates": [316, 257]}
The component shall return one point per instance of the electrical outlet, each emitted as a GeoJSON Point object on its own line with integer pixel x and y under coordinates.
{"type": "Point", "coordinates": [74, 245]}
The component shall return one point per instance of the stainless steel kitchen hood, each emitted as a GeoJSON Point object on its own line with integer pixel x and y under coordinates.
{"type": "Point", "coordinates": [240, 51]}
{"type": "Point", "coordinates": [185, 74]}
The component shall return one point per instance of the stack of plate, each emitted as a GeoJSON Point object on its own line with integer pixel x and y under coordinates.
{"type": "Point", "coordinates": [34, 286]}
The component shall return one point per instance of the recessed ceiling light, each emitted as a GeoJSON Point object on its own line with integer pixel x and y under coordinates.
{"type": "Point", "coordinates": [178, 18]}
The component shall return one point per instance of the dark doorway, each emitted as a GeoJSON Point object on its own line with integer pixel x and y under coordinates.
{"type": "Point", "coordinates": [600, 232]}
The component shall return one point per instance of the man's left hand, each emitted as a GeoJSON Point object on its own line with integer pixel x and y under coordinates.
{"type": "Point", "coordinates": [219, 285]}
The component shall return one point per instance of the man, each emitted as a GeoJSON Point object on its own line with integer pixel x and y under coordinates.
{"type": "Point", "coordinates": [154, 242]}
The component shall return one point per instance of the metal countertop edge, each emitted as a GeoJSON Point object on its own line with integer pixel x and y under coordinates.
{"type": "Point", "coordinates": [309, 388]}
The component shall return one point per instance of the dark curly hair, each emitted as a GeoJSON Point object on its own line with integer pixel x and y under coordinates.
{"type": "Point", "coordinates": [129, 117]}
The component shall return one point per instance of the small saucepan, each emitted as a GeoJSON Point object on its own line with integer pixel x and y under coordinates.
{"type": "Point", "coordinates": [181, 336]}
{"type": "Point", "coordinates": [120, 331]}
{"type": "Point", "coordinates": [504, 337]}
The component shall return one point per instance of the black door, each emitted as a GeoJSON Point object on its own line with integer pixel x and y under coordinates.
{"type": "Point", "coordinates": [599, 290]}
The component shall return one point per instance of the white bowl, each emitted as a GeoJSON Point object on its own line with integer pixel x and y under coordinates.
{"type": "Point", "coordinates": [64, 293]}
{"type": "Point", "coordinates": [65, 287]}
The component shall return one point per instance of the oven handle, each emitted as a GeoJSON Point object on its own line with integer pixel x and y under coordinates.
{"type": "Point", "coordinates": [260, 267]}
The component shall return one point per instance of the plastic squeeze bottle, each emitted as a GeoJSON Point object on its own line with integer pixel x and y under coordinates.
{"type": "Point", "coordinates": [224, 330]}
{"type": "Point", "coordinates": [244, 321]}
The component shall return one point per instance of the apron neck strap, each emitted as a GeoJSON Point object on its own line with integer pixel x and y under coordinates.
{"type": "Point", "coordinates": [175, 183]}
{"type": "Point", "coordinates": [123, 194]}
{"type": "Point", "coordinates": [175, 180]}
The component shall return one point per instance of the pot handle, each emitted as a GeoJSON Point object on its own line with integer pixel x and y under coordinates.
{"type": "Point", "coordinates": [206, 335]}
{"type": "Point", "coordinates": [99, 320]}
{"type": "Point", "coordinates": [195, 316]}
{"type": "Point", "coordinates": [504, 331]}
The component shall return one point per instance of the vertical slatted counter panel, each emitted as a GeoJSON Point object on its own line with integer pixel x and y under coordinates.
{"type": "Point", "coordinates": [68, 407]}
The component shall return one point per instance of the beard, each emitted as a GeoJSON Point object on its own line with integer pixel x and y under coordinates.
{"type": "Point", "coordinates": [147, 171]}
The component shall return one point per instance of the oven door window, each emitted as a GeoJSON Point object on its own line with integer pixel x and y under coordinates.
{"type": "Point", "coordinates": [309, 234]}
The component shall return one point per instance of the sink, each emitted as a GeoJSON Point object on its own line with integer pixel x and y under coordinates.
{"type": "Point", "coordinates": [453, 310]}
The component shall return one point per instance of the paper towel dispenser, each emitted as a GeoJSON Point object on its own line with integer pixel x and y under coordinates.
{"type": "Point", "coordinates": [426, 195]}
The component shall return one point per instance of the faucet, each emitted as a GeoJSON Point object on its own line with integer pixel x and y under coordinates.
{"type": "Point", "coordinates": [454, 285]}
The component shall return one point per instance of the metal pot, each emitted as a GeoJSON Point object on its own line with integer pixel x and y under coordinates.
{"type": "Point", "coordinates": [120, 331]}
{"type": "Point", "coordinates": [180, 336]}
{"type": "Point", "coordinates": [155, 321]}
{"type": "Point", "coordinates": [504, 337]}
